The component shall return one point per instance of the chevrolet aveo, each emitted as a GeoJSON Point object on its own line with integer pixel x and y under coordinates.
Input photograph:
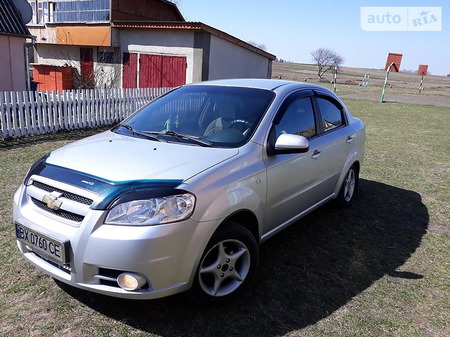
{"type": "Point", "coordinates": [180, 195]}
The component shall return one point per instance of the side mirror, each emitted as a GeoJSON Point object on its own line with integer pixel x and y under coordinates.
{"type": "Point", "coordinates": [289, 143]}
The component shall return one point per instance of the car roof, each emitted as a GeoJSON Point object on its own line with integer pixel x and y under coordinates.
{"type": "Point", "coordinates": [268, 84]}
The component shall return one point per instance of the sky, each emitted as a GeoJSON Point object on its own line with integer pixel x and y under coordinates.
{"type": "Point", "coordinates": [363, 32]}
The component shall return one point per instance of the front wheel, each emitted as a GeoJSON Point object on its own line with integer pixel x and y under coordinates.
{"type": "Point", "coordinates": [349, 188]}
{"type": "Point", "coordinates": [227, 265]}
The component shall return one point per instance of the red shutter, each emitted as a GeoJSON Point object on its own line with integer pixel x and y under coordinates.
{"type": "Point", "coordinates": [129, 70]}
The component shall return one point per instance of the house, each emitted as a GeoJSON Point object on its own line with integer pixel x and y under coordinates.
{"type": "Point", "coordinates": [130, 44]}
{"type": "Point", "coordinates": [13, 35]}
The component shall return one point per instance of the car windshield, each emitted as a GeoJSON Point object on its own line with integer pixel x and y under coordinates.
{"type": "Point", "coordinates": [215, 116]}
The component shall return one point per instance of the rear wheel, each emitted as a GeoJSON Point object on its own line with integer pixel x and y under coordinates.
{"type": "Point", "coordinates": [227, 265]}
{"type": "Point", "coordinates": [349, 188]}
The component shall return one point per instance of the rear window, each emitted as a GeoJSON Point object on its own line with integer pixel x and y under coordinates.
{"type": "Point", "coordinates": [331, 114]}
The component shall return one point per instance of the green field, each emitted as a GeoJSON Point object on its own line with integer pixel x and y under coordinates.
{"type": "Point", "coordinates": [381, 268]}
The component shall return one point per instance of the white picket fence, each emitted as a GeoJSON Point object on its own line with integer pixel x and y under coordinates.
{"type": "Point", "coordinates": [34, 113]}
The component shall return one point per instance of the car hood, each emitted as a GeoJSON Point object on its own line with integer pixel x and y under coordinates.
{"type": "Point", "coordinates": [119, 158]}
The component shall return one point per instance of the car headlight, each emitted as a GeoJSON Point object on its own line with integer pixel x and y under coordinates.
{"type": "Point", "coordinates": [152, 211]}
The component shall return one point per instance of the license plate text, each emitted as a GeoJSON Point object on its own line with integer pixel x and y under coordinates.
{"type": "Point", "coordinates": [50, 247]}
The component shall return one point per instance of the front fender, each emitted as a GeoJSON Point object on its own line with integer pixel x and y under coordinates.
{"type": "Point", "coordinates": [234, 199]}
{"type": "Point", "coordinates": [218, 209]}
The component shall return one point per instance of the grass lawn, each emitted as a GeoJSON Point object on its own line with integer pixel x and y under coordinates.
{"type": "Point", "coordinates": [381, 268]}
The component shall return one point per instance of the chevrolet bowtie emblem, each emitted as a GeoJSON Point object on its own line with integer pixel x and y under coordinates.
{"type": "Point", "coordinates": [51, 200]}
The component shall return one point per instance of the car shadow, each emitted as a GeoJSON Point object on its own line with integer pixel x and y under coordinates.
{"type": "Point", "coordinates": [306, 272]}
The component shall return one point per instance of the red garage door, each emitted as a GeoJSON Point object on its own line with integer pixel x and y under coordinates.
{"type": "Point", "coordinates": [157, 71]}
{"type": "Point", "coordinates": [150, 71]}
{"type": "Point", "coordinates": [173, 71]}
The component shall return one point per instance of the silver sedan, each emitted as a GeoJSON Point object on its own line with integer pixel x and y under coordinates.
{"type": "Point", "coordinates": [180, 195]}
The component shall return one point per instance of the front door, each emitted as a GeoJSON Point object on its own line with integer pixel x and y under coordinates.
{"type": "Point", "coordinates": [87, 68]}
{"type": "Point", "coordinates": [293, 182]}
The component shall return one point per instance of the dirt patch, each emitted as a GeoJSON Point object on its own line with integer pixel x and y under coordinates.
{"type": "Point", "coordinates": [435, 100]}
{"type": "Point", "coordinates": [402, 87]}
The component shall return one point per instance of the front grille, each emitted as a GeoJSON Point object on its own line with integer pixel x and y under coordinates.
{"type": "Point", "coordinates": [68, 195]}
{"type": "Point", "coordinates": [74, 207]}
{"type": "Point", "coordinates": [61, 213]}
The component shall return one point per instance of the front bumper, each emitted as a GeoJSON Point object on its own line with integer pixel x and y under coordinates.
{"type": "Point", "coordinates": [165, 255]}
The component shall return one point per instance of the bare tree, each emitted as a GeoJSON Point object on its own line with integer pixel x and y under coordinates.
{"type": "Point", "coordinates": [176, 2]}
{"type": "Point", "coordinates": [106, 72]}
{"type": "Point", "coordinates": [258, 45]}
{"type": "Point", "coordinates": [326, 59]}
{"type": "Point", "coordinates": [108, 69]}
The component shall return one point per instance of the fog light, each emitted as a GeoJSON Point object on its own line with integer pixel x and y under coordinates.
{"type": "Point", "coordinates": [131, 281]}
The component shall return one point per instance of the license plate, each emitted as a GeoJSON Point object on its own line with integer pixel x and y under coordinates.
{"type": "Point", "coordinates": [52, 248]}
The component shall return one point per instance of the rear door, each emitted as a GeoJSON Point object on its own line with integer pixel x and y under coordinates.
{"type": "Point", "coordinates": [335, 141]}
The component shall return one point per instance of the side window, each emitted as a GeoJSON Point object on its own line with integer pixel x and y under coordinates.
{"type": "Point", "coordinates": [297, 119]}
{"type": "Point", "coordinates": [332, 116]}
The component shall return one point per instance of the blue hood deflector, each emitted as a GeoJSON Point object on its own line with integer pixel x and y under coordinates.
{"type": "Point", "coordinates": [107, 191]}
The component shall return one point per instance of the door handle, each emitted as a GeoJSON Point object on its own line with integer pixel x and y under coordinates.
{"type": "Point", "coordinates": [316, 154]}
{"type": "Point", "coordinates": [350, 139]}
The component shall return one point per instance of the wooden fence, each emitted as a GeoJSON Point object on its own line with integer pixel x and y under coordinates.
{"type": "Point", "coordinates": [33, 113]}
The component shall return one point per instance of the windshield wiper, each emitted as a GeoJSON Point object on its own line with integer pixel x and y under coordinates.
{"type": "Point", "coordinates": [141, 133]}
{"type": "Point", "coordinates": [175, 134]}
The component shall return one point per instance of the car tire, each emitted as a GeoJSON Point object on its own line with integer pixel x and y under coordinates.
{"type": "Point", "coordinates": [349, 188]}
{"type": "Point", "coordinates": [226, 266]}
